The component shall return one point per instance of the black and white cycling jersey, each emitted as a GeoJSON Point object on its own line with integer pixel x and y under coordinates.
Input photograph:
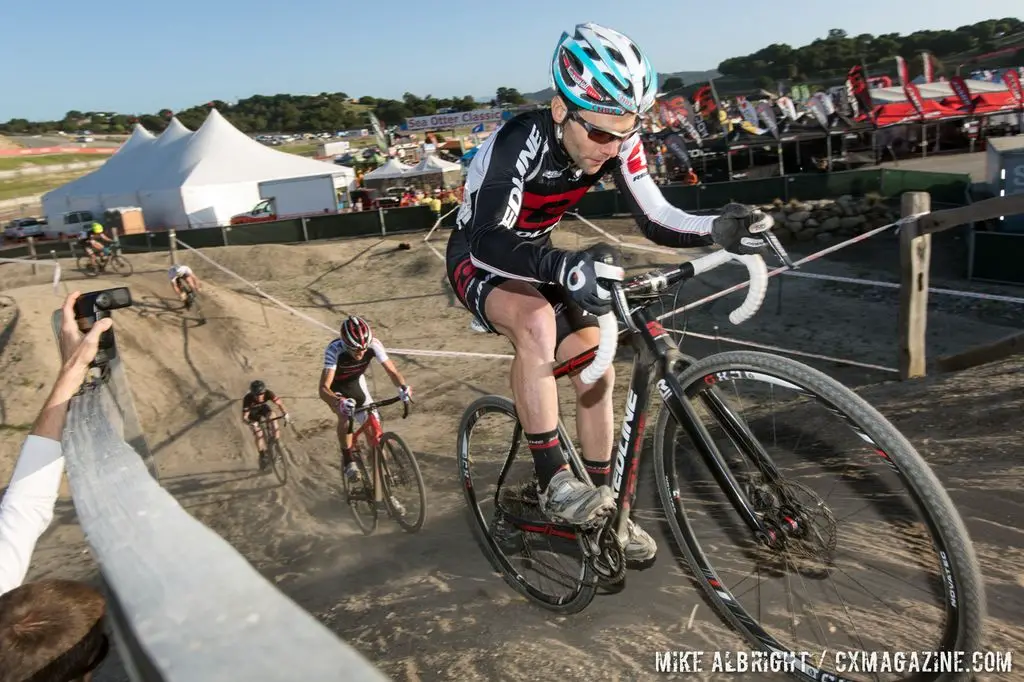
{"type": "Point", "coordinates": [522, 182]}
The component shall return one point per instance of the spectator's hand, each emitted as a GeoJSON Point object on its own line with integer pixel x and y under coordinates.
{"type": "Point", "coordinates": [77, 350]}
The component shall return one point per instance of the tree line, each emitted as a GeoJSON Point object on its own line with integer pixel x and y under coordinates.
{"type": "Point", "coordinates": [834, 54]}
{"type": "Point", "coordinates": [326, 112]}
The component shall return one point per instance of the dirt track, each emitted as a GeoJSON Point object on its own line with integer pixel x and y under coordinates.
{"type": "Point", "coordinates": [423, 607]}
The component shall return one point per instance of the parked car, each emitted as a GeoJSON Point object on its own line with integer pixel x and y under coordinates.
{"type": "Point", "coordinates": [19, 228]}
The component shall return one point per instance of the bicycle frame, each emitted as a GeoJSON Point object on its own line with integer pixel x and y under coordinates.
{"type": "Point", "coordinates": [657, 361]}
{"type": "Point", "coordinates": [268, 430]}
{"type": "Point", "coordinates": [372, 431]}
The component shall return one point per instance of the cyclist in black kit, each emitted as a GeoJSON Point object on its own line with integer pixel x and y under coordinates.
{"type": "Point", "coordinates": [256, 405]}
{"type": "Point", "coordinates": [545, 300]}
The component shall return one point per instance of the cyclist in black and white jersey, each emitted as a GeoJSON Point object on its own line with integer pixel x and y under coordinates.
{"type": "Point", "coordinates": [179, 274]}
{"type": "Point", "coordinates": [343, 384]}
{"type": "Point", "coordinates": [504, 269]}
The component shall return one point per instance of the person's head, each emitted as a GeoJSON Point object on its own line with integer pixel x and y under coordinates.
{"type": "Point", "coordinates": [603, 84]}
{"type": "Point", "coordinates": [257, 387]}
{"type": "Point", "coordinates": [51, 631]}
{"type": "Point", "coordinates": [356, 335]}
{"type": "Point", "coordinates": [96, 228]}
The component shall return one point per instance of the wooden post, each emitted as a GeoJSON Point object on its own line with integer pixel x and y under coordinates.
{"type": "Point", "coordinates": [224, 233]}
{"type": "Point", "coordinates": [915, 259]}
{"type": "Point", "coordinates": [173, 241]}
{"type": "Point", "coordinates": [380, 217]}
{"type": "Point", "coordinates": [32, 252]}
{"type": "Point", "coordinates": [305, 230]}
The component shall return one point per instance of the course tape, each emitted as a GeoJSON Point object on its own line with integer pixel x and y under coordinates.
{"type": "Point", "coordinates": [331, 330]}
{"type": "Point", "coordinates": [832, 249]}
{"type": "Point", "coordinates": [787, 351]}
{"type": "Point", "coordinates": [28, 261]}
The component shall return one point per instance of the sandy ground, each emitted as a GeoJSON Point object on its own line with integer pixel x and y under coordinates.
{"type": "Point", "coordinates": [423, 607]}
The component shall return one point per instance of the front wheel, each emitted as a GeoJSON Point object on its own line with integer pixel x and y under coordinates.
{"type": "Point", "coordinates": [911, 524]}
{"type": "Point", "coordinates": [120, 265]}
{"type": "Point", "coordinates": [279, 461]}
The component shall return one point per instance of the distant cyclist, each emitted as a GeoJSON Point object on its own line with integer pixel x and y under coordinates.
{"type": "Point", "coordinates": [343, 384]}
{"type": "Point", "coordinates": [255, 406]}
{"type": "Point", "coordinates": [91, 239]}
{"type": "Point", "coordinates": [183, 273]}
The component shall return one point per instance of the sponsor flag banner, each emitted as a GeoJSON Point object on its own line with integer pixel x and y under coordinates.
{"type": "Point", "coordinates": [767, 114]}
{"type": "Point", "coordinates": [787, 108]}
{"type": "Point", "coordinates": [747, 110]}
{"type": "Point", "coordinates": [901, 69]}
{"type": "Point", "coordinates": [958, 85]}
{"type": "Point", "coordinates": [928, 67]}
{"type": "Point", "coordinates": [378, 132]}
{"type": "Point", "coordinates": [1012, 81]}
{"type": "Point", "coordinates": [857, 86]}
{"type": "Point", "coordinates": [914, 97]}
{"type": "Point", "coordinates": [817, 110]}
{"type": "Point", "coordinates": [675, 113]}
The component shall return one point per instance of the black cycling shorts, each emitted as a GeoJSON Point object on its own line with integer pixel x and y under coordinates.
{"type": "Point", "coordinates": [256, 412]}
{"type": "Point", "coordinates": [472, 286]}
{"type": "Point", "coordinates": [355, 389]}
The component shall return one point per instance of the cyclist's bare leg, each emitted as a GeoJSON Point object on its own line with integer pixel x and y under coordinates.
{"type": "Point", "coordinates": [595, 424]}
{"type": "Point", "coordinates": [525, 318]}
{"type": "Point", "coordinates": [520, 313]}
{"type": "Point", "coordinates": [345, 440]}
{"type": "Point", "coordinates": [257, 433]}
{"type": "Point", "coordinates": [595, 418]}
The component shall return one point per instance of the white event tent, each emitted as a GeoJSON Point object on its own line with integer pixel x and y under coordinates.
{"type": "Point", "coordinates": [187, 179]}
{"type": "Point", "coordinates": [450, 173]}
{"type": "Point", "coordinates": [392, 169]}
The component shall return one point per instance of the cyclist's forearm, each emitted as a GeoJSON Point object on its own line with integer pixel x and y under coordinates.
{"type": "Point", "coordinates": [328, 396]}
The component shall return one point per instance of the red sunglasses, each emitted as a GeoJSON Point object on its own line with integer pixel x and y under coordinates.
{"type": "Point", "coordinates": [600, 135]}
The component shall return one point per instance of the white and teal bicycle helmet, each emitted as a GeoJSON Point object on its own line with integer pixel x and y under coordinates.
{"type": "Point", "coordinates": [601, 70]}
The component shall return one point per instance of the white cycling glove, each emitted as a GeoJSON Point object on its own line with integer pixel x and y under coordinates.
{"type": "Point", "coordinates": [405, 393]}
{"type": "Point", "coordinates": [347, 406]}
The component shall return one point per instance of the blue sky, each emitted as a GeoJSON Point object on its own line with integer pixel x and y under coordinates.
{"type": "Point", "coordinates": [140, 57]}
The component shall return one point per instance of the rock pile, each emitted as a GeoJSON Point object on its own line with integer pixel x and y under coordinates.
{"type": "Point", "coordinates": [827, 219]}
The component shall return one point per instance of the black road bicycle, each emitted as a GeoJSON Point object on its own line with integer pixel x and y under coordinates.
{"type": "Point", "coordinates": [392, 467]}
{"type": "Point", "coordinates": [788, 529]}
{"type": "Point", "coordinates": [110, 258]}
{"type": "Point", "coordinates": [276, 450]}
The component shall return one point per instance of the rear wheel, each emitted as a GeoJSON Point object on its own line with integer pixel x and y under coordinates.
{"type": "Point", "coordinates": [542, 561]}
{"type": "Point", "coordinates": [911, 522]}
{"type": "Point", "coordinates": [359, 494]}
{"type": "Point", "coordinates": [402, 479]}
